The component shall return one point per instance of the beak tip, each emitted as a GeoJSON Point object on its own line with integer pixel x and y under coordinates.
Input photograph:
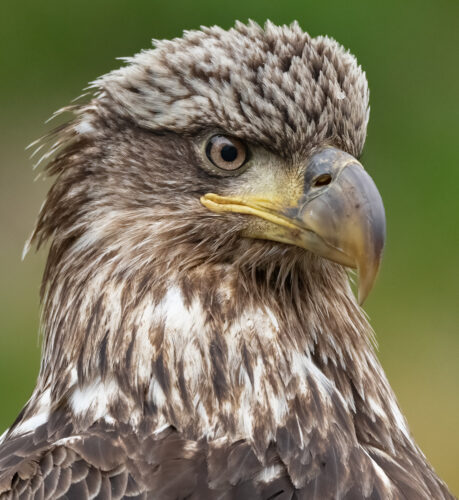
{"type": "Point", "coordinates": [362, 294]}
{"type": "Point", "coordinates": [367, 278]}
{"type": "Point", "coordinates": [361, 297]}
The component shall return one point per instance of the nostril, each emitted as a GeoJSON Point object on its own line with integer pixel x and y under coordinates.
{"type": "Point", "coordinates": [322, 180]}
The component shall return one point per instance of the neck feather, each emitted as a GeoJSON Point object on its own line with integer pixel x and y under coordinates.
{"type": "Point", "coordinates": [215, 351]}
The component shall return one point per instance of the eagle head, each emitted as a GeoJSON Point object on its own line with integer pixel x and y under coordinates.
{"type": "Point", "coordinates": [214, 138]}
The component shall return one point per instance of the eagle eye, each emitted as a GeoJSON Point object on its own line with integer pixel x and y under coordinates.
{"type": "Point", "coordinates": [226, 153]}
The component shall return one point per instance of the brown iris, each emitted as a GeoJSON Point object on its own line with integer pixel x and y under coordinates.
{"type": "Point", "coordinates": [226, 153]}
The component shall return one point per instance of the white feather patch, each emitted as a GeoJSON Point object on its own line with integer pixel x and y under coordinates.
{"type": "Point", "coordinates": [84, 127]}
{"type": "Point", "coordinates": [95, 399]}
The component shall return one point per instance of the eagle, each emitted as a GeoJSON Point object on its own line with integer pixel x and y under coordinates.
{"type": "Point", "coordinates": [201, 339]}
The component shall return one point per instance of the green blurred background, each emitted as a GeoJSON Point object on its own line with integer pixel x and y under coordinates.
{"type": "Point", "coordinates": [50, 49]}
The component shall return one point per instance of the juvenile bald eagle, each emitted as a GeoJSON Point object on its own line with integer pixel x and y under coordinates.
{"type": "Point", "coordinates": [201, 339]}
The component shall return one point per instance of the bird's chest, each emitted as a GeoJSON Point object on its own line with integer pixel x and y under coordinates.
{"type": "Point", "coordinates": [241, 378]}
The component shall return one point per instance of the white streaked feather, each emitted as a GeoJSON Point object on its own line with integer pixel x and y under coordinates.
{"type": "Point", "coordinates": [31, 423]}
{"type": "Point", "coordinates": [270, 473]}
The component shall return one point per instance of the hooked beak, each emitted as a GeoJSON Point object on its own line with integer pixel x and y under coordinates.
{"type": "Point", "coordinates": [339, 215]}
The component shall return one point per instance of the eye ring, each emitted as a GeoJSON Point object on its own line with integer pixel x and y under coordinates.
{"type": "Point", "coordinates": [226, 153]}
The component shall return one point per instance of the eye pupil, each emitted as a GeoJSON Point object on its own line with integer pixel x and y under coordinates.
{"type": "Point", "coordinates": [228, 153]}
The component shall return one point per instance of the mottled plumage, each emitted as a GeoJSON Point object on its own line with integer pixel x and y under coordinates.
{"type": "Point", "coordinates": [182, 358]}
